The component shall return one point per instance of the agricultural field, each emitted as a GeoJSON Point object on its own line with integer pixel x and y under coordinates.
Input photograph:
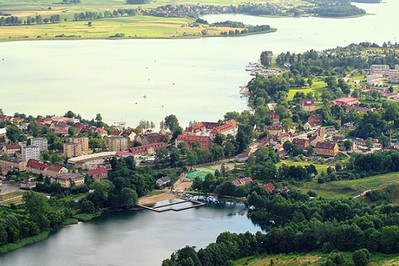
{"type": "Point", "coordinates": [130, 27]}
{"type": "Point", "coordinates": [349, 188]}
{"type": "Point", "coordinates": [11, 198]}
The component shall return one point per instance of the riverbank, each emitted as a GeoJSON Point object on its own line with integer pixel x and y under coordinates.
{"type": "Point", "coordinates": [24, 242]}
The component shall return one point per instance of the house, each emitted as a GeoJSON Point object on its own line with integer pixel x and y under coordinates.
{"type": "Point", "coordinates": [314, 121]}
{"type": "Point", "coordinates": [117, 143]}
{"type": "Point", "coordinates": [204, 142]}
{"type": "Point", "coordinates": [307, 105]}
{"type": "Point", "coordinates": [315, 139]}
{"type": "Point", "coordinates": [163, 181]}
{"type": "Point", "coordinates": [12, 163]}
{"type": "Point", "coordinates": [242, 181]}
{"type": "Point", "coordinates": [269, 187]}
{"type": "Point", "coordinates": [301, 143]}
{"type": "Point", "coordinates": [35, 167]}
{"type": "Point", "coordinates": [201, 128]}
{"type": "Point", "coordinates": [345, 101]}
{"type": "Point", "coordinates": [274, 117]}
{"type": "Point", "coordinates": [98, 173]}
{"type": "Point", "coordinates": [92, 161]}
{"type": "Point", "coordinates": [11, 149]}
{"type": "Point", "coordinates": [326, 148]}
{"type": "Point", "coordinates": [274, 129]}
{"type": "Point", "coordinates": [68, 179]}
{"type": "Point", "coordinates": [55, 170]}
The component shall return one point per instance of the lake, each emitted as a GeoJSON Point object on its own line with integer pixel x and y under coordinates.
{"type": "Point", "coordinates": [195, 79]}
{"type": "Point", "coordinates": [132, 238]}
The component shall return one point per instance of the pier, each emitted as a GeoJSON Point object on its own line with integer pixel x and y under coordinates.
{"type": "Point", "coordinates": [163, 208]}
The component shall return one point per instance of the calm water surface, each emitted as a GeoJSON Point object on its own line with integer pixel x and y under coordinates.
{"type": "Point", "coordinates": [195, 79]}
{"type": "Point", "coordinates": [132, 238]}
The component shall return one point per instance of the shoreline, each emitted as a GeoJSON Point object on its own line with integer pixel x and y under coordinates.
{"type": "Point", "coordinates": [182, 37]}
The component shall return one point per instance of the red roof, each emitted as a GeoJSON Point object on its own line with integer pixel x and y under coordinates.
{"type": "Point", "coordinates": [13, 147]}
{"type": "Point", "coordinates": [54, 168]}
{"type": "Point", "coordinates": [229, 125]}
{"type": "Point", "coordinates": [305, 102]}
{"type": "Point", "coordinates": [186, 137]}
{"type": "Point", "coordinates": [100, 170]}
{"type": "Point", "coordinates": [273, 116]}
{"type": "Point", "coordinates": [269, 187]}
{"type": "Point", "coordinates": [36, 164]}
{"type": "Point", "coordinates": [242, 181]}
{"type": "Point", "coordinates": [344, 101]}
{"type": "Point", "coordinates": [328, 145]}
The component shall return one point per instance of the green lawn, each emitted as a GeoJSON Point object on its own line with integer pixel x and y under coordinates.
{"type": "Point", "coordinates": [319, 167]}
{"type": "Point", "coordinates": [318, 86]}
{"type": "Point", "coordinates": [350, 188]}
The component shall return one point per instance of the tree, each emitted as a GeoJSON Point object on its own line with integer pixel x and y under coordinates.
{"type": "Point", "coordinates": [99, 118]}
{"type": "Point", "coordinates": [361, 257]}
{"type": "Point", "coordinates": [348, 144]}
{"type": "Point", "coordinates": [128, 198]}
{"type": "Point", "coordinates": [38, 208]}
{"type": "Point", "coordinates": [288, 146]}
{"type": "Point", "coordinates": [266, 58]}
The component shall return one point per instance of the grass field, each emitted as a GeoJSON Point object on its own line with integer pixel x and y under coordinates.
{"type": "Point", "coordinates": [319, 167]}
{"type": "Point", "coordinates": [131, 27]}
{"type": "Point", "coordinates": [312, 259]}
{"type": "Point", "coordinates": [318, 86]}
{"type": "Point", "coordinates": [350, 188]}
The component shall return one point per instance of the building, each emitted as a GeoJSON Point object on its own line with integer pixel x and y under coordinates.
{"type": "Point", "coordinates": [190, 141]}
{"type": "Point", "coordinates": [147, 149]}
{"type": "Point", "coordinates": [117, 143]}
{"type": "Point", "coordinates": [11, 149]}
{"type": "Point", "coordinates": [378, 69]}
{"type": "Point", "coordinates": [274, 117]}
{"type": "Point", "coordinates": [345, 101]}
{"type": "Point", "coordinates": [35, 167]}
{"type": "Point", "coordinates": [83, 141]}
{"type": "Point", "coordinates": [98, 173]}
{"type": "Point", "coordinates": [55, 170]}
{"type": "Point", "coordinates": [269, 187]}
{"type": "Point", "coordinates": [12, 163]}
{"type": "Point", "coordinates": [326, 148]}
{"type": "Point", "coordinates": [72, 150]}
{"type": "Point", "coordinates": [242, 181]}
{"type": "Point", "coordinates": [228, 128]}
{"type": "Point", "coordinates": [30, 152]}
{"type": "Point", "coordinates": [307, 105]}
{"type": "Point", "coordinates": [314, 121]}
{"type": "Point", "coordinates": [274, 129]}
{"type": "Point", "coordinates": [163, 181]}
{"type": "Point", "coordinates": [68, 179]}
{"type": "Point", "coordinates": [3, 132]}
{"type": "Point", "coordinates": [301, 143]}
{"type": "Point", "coordinates": [148, 138]}
{"type": "Point", "coordinates": [92, 161]}
{"type": "Point", "coordinates": [41, 143]}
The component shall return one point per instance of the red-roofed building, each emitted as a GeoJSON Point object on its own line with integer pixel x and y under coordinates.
{"type": "Point", "coordinates": [307, 105]}
{"type": "Point", "coordinates": [35, 167]}
{"type": "Point", "coordinates": [228, 128]}
{"type": "Point", "coordinates": [102, 132]}
{"type": "Point", "coordinates": [205, 142]}
{"type": "Point", "coordinates": [147, 149]}
{"type": "Point", "coordinates": [274, 129]}
{"type": "Point", "coordinates": [99, 173]}
{"type": "Point", "coordinates": [242, 181]}
{"type": "Point", "coordinates": [346, 101]}
{"type": "Point", "coordinates": [274, 117]}
{"type": "Point", "coordinates": [314, 121]}
{"type": "Point", "coordinates": [269, 187]}
{"type": "Point", "coordinates": [55, 170]}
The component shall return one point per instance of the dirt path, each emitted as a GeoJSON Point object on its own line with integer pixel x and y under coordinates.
{"type": "Point", "coordinates": [361, 194]}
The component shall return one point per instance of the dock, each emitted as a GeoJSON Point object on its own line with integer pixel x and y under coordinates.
{"type": "Point", "coordinates": [161, 208]}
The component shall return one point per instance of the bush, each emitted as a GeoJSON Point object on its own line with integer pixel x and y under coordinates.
{"type": "Point", "coordinates": [361, 257]}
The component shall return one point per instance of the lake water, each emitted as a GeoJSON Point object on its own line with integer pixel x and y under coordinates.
{"type": "Point", "coordinates": [195, 79]}
{"type": "Point", "coordinates": [132, 238]}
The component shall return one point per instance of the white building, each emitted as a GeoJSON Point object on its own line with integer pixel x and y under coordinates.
{"type": "Point", "coordinates": [30, 152]}
{"type": "Point", "coordinates": [41, 143]}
